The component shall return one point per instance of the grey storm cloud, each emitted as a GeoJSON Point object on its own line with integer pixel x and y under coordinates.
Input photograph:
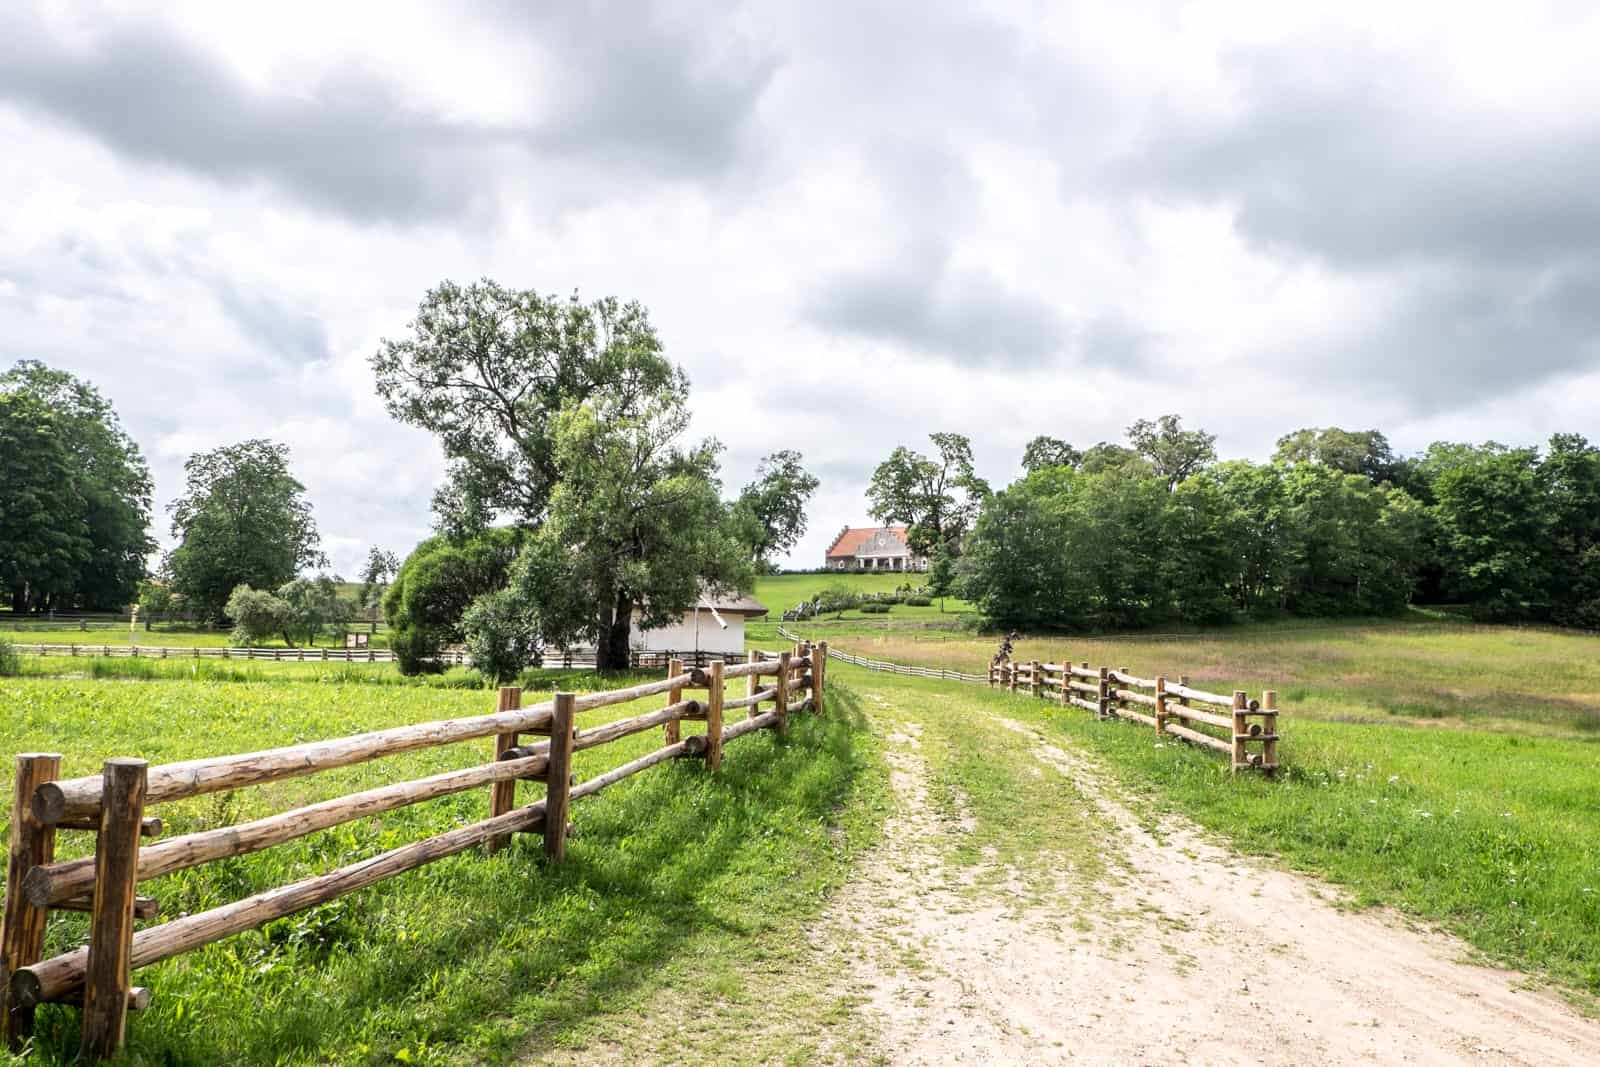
{"type": "Point", "coordinates": [648, 94]}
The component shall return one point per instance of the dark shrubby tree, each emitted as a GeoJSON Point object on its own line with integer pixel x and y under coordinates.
{"type": "Point", "coordinates": [771, 511]}
{"type": "Point", "coordinates": [1494, 529]}
{"type": "Point", "coordinates": [1570, 477]}
{"type": "Point", "coordinates": [938, 499]}
{"type": "Point", "coordinates": [434, 587]}
{"type": "Point", "coordinates": [43, 542]}
{"type": "Point", "coordinates": [99, 523]}
{"type": "Point", "coordinates": [243, 520]}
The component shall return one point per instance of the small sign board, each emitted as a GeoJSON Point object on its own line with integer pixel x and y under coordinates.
{"type": "Point", "coordinates": [357, 640]}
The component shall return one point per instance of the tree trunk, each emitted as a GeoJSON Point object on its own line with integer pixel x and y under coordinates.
{"type": "Point", "coordinates": [616, 627]}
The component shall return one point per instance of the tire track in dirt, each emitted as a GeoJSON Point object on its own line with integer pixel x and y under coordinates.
{"type": "Point", "coordinates": [1184, 953]}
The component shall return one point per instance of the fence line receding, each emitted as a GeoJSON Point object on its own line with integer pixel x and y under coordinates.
{"type": "Point", "coordinates": [114, 805]}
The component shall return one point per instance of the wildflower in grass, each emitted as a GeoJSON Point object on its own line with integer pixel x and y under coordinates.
{"type": "Point", "coordinates": [1393, 778]}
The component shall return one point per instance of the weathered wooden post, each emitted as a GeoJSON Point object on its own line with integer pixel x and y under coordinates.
{"type": "Point", "coordinates": [1011, 676]}
{"type": "Point", "coordinates": [752, 685]}
{"type": "Point", "coordinates": [1161, 705]}
{"type": "Point", "coordinates": [673, 730]}
{"type": "Point", "coordinates": [1105, 692]}
{"type": "Point", "coordinates": [558, 788]}
{"type": "Point", "coordinates": [1269, 716]}
{"type": "Point", "coordinates": [1038, 679]}
{"type": "Point", "coordinates": [107, 981]}
{"type": "Point", "coordinates": [782, 697]}
{"type": "Point", "coordinates": [714, 698]}
{"type": "Point", "coordinates": [819, 674]}
{"type": "Point", "coordinates": [503, 795]}
{"type": "Point", "coordinates": [1241, 729]}
{"type": "Point", "coordinates": [1183, 702]}
{"type": "Point", "coordinates": [1066, 682]}
{"type": "Point", "coordinates": [33, 844]}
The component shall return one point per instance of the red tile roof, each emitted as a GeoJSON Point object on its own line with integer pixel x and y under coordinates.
{"type": "Point", "coordinates": [850, 540]}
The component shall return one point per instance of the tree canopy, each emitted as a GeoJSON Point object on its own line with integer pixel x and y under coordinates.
{"type": "Point", "coordinates": [488, 369]}
{"type": "Point", "coordinates": [636, 527]}
{"type": "Point", "coordinates": [1174, 453]}
{"type": "Point", "coordinates": [87, 547]}
{"type": "Point", "coordinates": [243, 519]}
{"type": "Point", "coordinates": [938, 498]}
{"type": "Point", "coordinates": [771, 511]}
{"type": "Point", "coordinates": [1045, 451]}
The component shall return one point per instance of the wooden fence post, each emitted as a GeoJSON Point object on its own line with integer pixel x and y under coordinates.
{"type": "Point", "coordinates": [1183, 702]}
{"type": "Point", "coordinates": [558, 790]}
{"type": "Point", "coordinates": [1241, 730]}
{"type": "Point", "coordinates": [116, 858]}
{"type": "Point", "coordinates": [1011, 676]}
{"type": "Point", "coordinates": [1105, 692]}
{"type": "Point", "coordinates": [819, 674]}
{"type": "Point", "coordinates": [674, 729]}
{"type": "Point", "coordinates": [503, 795]}
{"type": "Point", "coordinates": [1038, 679]}
{"type": "Point", "coordinates": [1269, 747]}
{"type": "Point", "coordinates": [752, 685]}
{"type": "Point", "coordinates": [714, 697]}
{"type": "Point", "coordinates": [1161, 705]}
{"type": "Point", "coordinates": [33, 844]}
{"type": "Point", "coordinates": [783, 693]}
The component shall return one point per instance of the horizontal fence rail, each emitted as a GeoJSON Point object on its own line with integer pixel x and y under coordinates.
{"type": "Point", "coordinates": [114, 804]}
{"type": "Point", "coordinates": [574, 659]}
{"type": "Point", "coordinates": [1246, 730]}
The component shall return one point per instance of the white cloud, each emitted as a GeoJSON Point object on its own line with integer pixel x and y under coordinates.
{"type": "Point", "coordinates": [854, 224]}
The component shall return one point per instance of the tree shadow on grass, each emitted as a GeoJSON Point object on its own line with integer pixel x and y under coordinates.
{"type": "Point", "coordinates": [467, 958]}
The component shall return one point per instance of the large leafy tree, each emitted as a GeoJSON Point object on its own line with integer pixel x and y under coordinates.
{"type": "Point", "coordinates": [107, 482]}
{"type": "Point", "coordinates": [1494, 528]}
{"type": "Point", "coordinates": [376, 574]}
{"type": "Point", "coordinates": [938, 498]}
{"type": "Point", "coordinates": [636, 527]}
{"type": "Point", "coordinates": [43, 539]}
{"type": "Point", "coordinates": [487, 369]}
{"type": "Point", "coordinates": [1046, 451]}
{"type": "Point", "coordinates": [771, 511]}
{"type": "Point", "coordinates": [243, 520]}
{"type": "Point", "coordinates": [1364, 452]}
{"type": "Point", "coordinates": [1174, 452]}
{"type": "Point", "coordinates": [1570, 477]}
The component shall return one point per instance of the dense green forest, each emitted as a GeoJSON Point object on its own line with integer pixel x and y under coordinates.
{"type": "Point", "coordinates": [1335, 524]}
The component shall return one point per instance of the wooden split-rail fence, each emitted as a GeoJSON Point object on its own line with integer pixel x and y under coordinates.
{"type": "Point", "coordinates": [568, 659]}
{"type": "Point", "coordinates": [1249, 728]}
{"type": "Point", "coordinates": [115, 806]}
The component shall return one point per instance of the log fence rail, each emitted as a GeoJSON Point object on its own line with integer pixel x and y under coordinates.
{"type": "Point", "coordinates": [1247, 729]}
{"type": "Point", "coordinates": [114, 805]}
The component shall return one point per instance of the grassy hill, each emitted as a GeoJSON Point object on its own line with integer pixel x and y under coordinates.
{"type": "Point", "coordinates": [780, 592]}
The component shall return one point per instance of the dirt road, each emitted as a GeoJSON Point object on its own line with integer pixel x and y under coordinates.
{"type": "Point", "coordinates": [1185, 953]}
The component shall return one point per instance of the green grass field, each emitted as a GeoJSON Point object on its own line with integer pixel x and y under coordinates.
{"type": "Point", "coordinates": [781, 592]}
{"type": "Point", "coordinates": [678, 877]}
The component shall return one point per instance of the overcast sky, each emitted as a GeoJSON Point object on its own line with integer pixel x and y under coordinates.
{"type": "Point", "coordinates": [854, 224]}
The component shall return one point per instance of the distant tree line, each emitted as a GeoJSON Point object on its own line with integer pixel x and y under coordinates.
{"type": "Point", "coordinates": [1335, 524]}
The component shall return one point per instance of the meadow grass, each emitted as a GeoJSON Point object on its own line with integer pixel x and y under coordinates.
{"type": "Point", "coordinates": [674, 873]}
{"type": "Point", "coordinates": [780, 592]}
{"type": "Point", "coordinates": [163, 637]}
{"type": "Point", "coordinates": [1377, 671]}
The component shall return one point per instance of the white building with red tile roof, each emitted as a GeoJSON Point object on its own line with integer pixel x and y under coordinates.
{"type": "Point", "coordinates": [873, 548]}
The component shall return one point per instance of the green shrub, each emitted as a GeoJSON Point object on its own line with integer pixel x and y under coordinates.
{"type": "Point", "coordinates": [876, 608]}
{"type": "Point", "coordinates": [10, 660]}
{"type": "Point", "coordinates": [918, 602]}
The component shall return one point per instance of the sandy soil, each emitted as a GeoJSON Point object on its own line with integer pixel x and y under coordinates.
{"type": "Point", "coordinates": [1188, 954]}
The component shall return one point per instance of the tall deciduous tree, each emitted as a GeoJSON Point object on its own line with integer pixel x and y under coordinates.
{"type": "Point", "coordinates": [487, 369]}
{"type": "Point", "coordinates": [771, 511]}
{"type": "Point", "coordinates": [106, 479]}
{"type": "Point", "coordinates": [376, 574]}
{"type": "Point", "coordinates": [938, 499]}
{"type": "Point", "coordinates": [1363, 452]}
{"type": "Point", "coordinates": [243, 520]}
{"type": "Point", "coordinates": [636, 529]}
{"type": "Point", "coordinates": [1046, 451]}
{"type": "Point", "coordinates": [1174, 452]}
{"type": "Point", "coordinates": [43, 540]}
